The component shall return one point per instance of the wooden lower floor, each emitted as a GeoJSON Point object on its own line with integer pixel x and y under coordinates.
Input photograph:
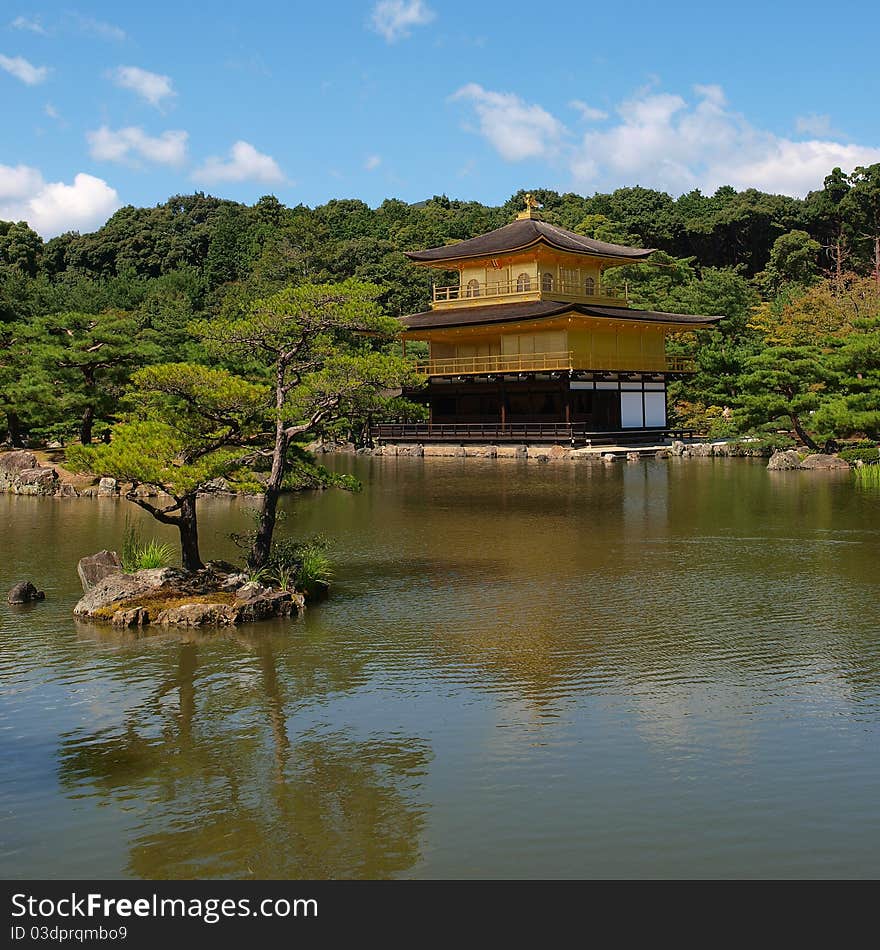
{"type": "Point", "coordinates": [592, 402]}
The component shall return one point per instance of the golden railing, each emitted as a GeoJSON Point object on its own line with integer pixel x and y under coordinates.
{"type": "Point", "coordinates": [518, 288]}
{"type": "Point", "coordinates": [562, 360]}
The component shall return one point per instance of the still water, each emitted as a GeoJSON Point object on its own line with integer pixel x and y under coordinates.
{"type": "Point", "coordinates": [652, 669]}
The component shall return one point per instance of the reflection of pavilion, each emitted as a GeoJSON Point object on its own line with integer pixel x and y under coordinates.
{"type": "Point", "coordinates": [530, 343]}
{"type": "Point", "coordinates": [233, 794]}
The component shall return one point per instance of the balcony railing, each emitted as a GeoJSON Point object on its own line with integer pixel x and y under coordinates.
{"type": "Point", "coordinates": [563, 360]}
{"type": "Point", "coordinates": [519, 288]}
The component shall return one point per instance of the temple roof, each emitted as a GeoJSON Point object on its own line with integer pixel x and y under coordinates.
{"type": "Point", "coordinates": [524, 233]}
{"type": "Point", "coordinates": [537, 309]}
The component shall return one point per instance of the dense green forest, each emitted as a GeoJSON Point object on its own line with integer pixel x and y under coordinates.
{"type": "Point", "coordinates": [798, 281]}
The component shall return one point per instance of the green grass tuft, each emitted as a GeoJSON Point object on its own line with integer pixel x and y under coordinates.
{"type": "Point", "coordinates": [867, 476]}
{"type": "Point", "coordinates": [139, 555]}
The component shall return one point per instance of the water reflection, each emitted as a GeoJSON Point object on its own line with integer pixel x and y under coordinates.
{"type": "Point", "coordinates": [666, 668]}
{"type": "Point", "coordinates": [229, 784]}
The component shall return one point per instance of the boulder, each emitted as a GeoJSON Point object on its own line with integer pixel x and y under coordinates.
{"type": "Point", "coordinates": [12, 463]}
{"type": "Point", "coordinates": [511, 452]}
{"type": "Point", "coordinates": [267, 603]}
{"type": "Point", "coordinates": [251, 589]}
{"type": "Point", "coordinates": [633, 457]}
{"type": "Point", "coordinates": [784, 461]}
{"type": "Point", "coordinates": [825, 463]}
{"type": "Point", "coordinates": [131, 617]}
{"type": "Point", "coordinates": [25, 593]}
{"type": "Point", "coordinates": [95, 567]}
{"type": "Point", "coordinates": [699, 450]}
{"type": "Point", "coordinates": [677, 448]}
{"type": "Point", "coordinates": [118, 587]}
{"type": "Point", "coordinates": [547, 452]}
{"type": "Point", "coordinates": [440, 451]}
{"type": "Point", "coordinates": [107, 487]}
{"type": "Point", "coordinates": [609, 457]}
{"type": "Point", "coordinates": [216, 486]}
{"type": "Point", "coordinates": [662, 454]}
{"type": "Point", "coordinates": [197, 615]}
{"type": "Point", "coordinates": [35, 481]}
{"type": "Point", "coordinates": [233, 581]}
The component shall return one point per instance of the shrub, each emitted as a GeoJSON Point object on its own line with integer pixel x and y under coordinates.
{"type": "Point", "coordinates": [762, 446]}
{"type": "Point", "coordinates": [293, 565]}
{"type": "Point", "coordinates": [865, 453]}
{"type": "Point", "coordinates": [300, 565]}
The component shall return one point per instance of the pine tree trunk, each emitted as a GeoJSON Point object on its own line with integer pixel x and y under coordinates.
{"type": "Point", "coordinates": [13, 429]}
{"type": "Point", "coordinates": [262, 546]}
{"type": "Point", "coordinates": [802, 433]}
{"type": "Point", "coordinates": [188, 527]}
{"type": "Point", "coordinates": [85, 426]}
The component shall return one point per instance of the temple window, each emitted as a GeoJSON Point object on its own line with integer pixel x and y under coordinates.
{"type": "Point", "coordinates": [546, 281]}
{"type": "Point", "coordinates": [523, 283]}
{"type": "Point", "coordinates": [589, 287]}
{"type": "Point", "coordinates": [473, 288]}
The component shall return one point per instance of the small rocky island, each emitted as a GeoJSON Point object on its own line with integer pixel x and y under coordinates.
{"type": "Point", "coordinates": [219, 595]}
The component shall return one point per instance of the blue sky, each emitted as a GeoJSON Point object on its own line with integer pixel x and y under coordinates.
{"type": "Point", "coordinates": [105, 104]}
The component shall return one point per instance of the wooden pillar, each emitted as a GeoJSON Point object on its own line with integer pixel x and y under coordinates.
{"type": "Point", "coordinates": [566, 398]}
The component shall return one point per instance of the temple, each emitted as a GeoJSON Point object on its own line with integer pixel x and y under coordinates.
{"type": "Point", "coordinates": [529, 341]}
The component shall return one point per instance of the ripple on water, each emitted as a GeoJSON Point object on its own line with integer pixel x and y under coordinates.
{"type": "Point", "coordinates": [522, 671]}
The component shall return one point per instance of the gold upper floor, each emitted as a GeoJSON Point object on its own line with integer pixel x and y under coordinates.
{"type": "Point", "coordinates": [541, 275]}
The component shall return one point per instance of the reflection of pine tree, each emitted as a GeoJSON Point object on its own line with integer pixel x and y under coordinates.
{"type": "Point", "coordinates": [231, 793]}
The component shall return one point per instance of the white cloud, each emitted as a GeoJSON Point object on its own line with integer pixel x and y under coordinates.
{"type": "Point", "coordinates": [19, 67]}
{"type": "Point", "coordinates": [813, 124]}
{"type": "Point", "coordinates": [668, 141]}
{"type": "Point", "coordinates": [152, 87]}
{"type": "Point", "coordinates": [100, 29]}
{"type": "Point", "coordinates": [372, 162]}
{"type": "Point", "coordinates": [121, 145]}
{"type": "Point", "coordinates": [51, 111]}
{"type": "Point", "coordinates": [588, 112]}
{"type": "Point", "coordinates": [53, 207]}
{"type": "Point", "coordinates": [394, 19]}
{"type": "Point", "coordinates": [515, 129]}
{"type": "Point", "coordinates": [71, 23]}
{"type": "Point", "coordinates": [245, 163]}
{"type": "Point", "coordinates": [32, 26]}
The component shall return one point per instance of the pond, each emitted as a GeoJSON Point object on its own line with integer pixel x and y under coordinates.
{"type": "Point", "coordinates": [665, 668]}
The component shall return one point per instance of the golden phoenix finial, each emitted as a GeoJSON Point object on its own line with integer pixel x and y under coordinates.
{"type": "Point", "coordinates": [531, 207]}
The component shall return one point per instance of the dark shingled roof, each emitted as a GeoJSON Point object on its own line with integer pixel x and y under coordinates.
{"type": "Point", "coordinates": [524, 233]}
{"type": "Point", "coordinates": [538, 309]}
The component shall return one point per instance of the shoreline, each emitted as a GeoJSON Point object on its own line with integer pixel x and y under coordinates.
{"type": "Point", "coordinates": [547, 452]}
{"type": "Point", "coordinates": [37, 473]}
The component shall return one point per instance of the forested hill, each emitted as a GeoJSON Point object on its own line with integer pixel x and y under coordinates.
{"type": "Point", "coordinates": [79, 312]}
{"type": "Point", "coordinates": [208, 242]}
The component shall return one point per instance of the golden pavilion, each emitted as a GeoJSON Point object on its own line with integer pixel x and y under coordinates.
{"type": "Point", "coordinates": [529, 342]}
